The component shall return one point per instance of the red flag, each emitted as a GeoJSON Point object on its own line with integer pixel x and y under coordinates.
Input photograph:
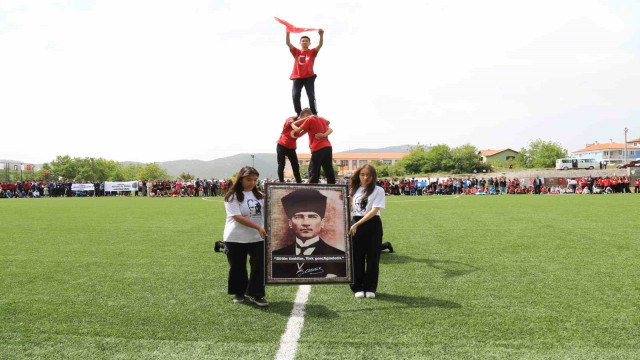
{"type": "Point", "coordinates": [28, 167]}
{"type": "Point", "coordinates": [291, 28]}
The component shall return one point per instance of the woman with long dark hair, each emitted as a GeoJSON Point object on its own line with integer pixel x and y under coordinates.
{"type": "Point", "coordinates": [244, 236]}
{"type": "Point", "coordinates": [367, 200]}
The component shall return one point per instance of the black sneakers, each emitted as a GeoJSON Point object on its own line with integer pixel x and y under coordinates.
{"type": "Point", "coordinates": [387, 245]}
{"type": "Point", "coordinates": [238, 299]}
{"type": "Point", "coordinates": [260, 301]}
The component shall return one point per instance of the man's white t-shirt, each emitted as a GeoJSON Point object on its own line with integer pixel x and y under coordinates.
{"type": "Point", "coordinates": [376, 199]}
{"type": "Point", "coordinates": [252, 209]}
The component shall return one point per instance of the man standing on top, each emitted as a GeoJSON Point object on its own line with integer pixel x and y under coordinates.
{"type": "Point", "coordinates": [321, 150]}
{"type": "Point", "coordinates": [303, 74]}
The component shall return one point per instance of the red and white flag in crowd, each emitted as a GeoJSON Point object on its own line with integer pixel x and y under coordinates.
{"type": "Point", "coordinates": [29, 167]}
{"type": "Point", "coordinates": [291, 28]}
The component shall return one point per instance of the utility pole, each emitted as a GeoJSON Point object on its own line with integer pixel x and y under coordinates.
{"type": "Point", "coordinates": [626, 130]}
{"type": "Point", "coordinates": [253, 161]}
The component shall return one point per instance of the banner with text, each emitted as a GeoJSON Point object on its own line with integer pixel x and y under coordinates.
{"type": "Point", "coordinates": [82, 187]}
{"type": "Point", "coordinates": [121, 186]}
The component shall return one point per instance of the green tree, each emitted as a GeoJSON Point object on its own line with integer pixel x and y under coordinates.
{"type": "Point", "coordinates": [465, 158]}
{"type": "Point", "coordinates": [415, 161]}
{"type": "Point", "coordinates": [153, 172]}
{"type": "Point", "coordinates": [541, 154]}
{"type": "Point", "coordinates": [185, 176]}
{"type": "Point", "coordinates": [439, 158]}
{"type": "Point", "coordinates": [382, 169]}
{"type": "Point", "coordinates": [98, 169]}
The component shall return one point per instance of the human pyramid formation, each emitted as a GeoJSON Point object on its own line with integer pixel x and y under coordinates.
{"type": "Point", "coordinates": [244, 231]}
{"type": "Point", "coordinates": [306, 120]}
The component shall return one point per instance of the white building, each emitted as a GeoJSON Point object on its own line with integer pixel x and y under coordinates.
{"type": "Point", "coordinates": [611, 152]}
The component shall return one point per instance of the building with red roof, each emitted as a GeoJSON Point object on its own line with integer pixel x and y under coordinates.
{"type": "Point", "coordinates": [611, 152]}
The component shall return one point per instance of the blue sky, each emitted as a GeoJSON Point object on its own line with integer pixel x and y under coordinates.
{"type": "Point", "coordinates": [165, 80]}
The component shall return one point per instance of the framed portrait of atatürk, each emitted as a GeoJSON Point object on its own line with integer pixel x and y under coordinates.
{"type": "Point", "coordinates": [307, 234]}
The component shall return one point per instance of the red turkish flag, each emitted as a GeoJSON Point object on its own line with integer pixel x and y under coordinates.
{"type": "Point", "coordinates": [291, 28]}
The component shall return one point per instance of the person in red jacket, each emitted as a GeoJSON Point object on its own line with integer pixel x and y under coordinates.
{"type": "Point", "coordinates": [303, 74]}
{"type": "Point", "coordinates": [637, 184]}
{"type": "Point", "coordinates": [287, 148]}
{"type": "Point", "coordinates": [321, 150]}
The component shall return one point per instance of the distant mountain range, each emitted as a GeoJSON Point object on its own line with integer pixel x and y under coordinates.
{"type": "Point", "coordinates": [389, 149]}
{"type": "Point", "coordinates": [225, 167]}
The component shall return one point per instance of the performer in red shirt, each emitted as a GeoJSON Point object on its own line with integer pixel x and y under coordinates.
{"type": "Point", "coordinates": [303, 74]}
{"type": "Point", "coordinates": [321, 150]}
{"type": "Point", "coordinates": [637, 184]}
{"type": "Point", "coordinates": [287, 148]}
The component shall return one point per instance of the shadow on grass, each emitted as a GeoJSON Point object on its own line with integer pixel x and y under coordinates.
{"type": "Point", "coordinates": [418, 301]}
{"type": "Point", "coordinates": [449, 268]}
{"type": "Point", "coordinates": [409, 302]}
{"type": "Point", "coordinates": [284, 308]}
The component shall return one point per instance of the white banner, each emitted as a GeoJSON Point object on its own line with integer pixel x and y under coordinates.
{"type": "Point", "coordinates": [121, 186]}
{"type": "Point", "coordinates": [82, 187]}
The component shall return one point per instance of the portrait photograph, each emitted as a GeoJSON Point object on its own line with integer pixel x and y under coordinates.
{"type": "Point", "coordinates": [307, 234]}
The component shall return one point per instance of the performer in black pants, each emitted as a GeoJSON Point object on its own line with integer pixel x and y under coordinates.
{"type": "Point", "coordinates": [287, 148]}
{"type": "Point", "coordinates": [322, 158]}
{"type": "Point", "coordinates": [239, 282]}
{"type": "Point", "coordinates": [309, 86]}
{"type": "Point", "coordinates": [243, 236]}
{"type": "Point", "coordinates": [302, 74]}
{"type": "Point", "coordinates": [321, 151]}
{"type": "Point", "coordinates": [366, 231]}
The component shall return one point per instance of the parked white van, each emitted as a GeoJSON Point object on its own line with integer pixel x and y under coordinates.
{"type": "Point", "coordinates": [566, 164]}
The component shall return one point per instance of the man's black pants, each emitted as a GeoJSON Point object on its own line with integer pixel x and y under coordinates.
{"type": "Point", "coordinates": [239, 282]}
{"type": "Point", "coordinates": [282, 151]}
{"type": "Point", "coordinates": [309, 87]}
{"type": "Point", "coordinates": [367, 243]}
{"type": "Point", "coordinates": [322, 158]}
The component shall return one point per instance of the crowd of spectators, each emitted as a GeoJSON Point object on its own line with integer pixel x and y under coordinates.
{"type": "Point", "coordinates": [503, 185]}
{"type": "Point", "coordinates": [150, 188]}
{"type": "Point", "coordinates": [407, 186]}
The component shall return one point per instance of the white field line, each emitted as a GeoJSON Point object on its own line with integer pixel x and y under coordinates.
{"type": "Point", "coordinates": [289, 340]}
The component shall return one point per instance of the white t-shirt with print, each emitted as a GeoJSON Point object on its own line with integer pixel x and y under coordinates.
{"type": "Point", "coordinates": [376, 199]}
{"type": "Point", "coordinates": [252, 209]}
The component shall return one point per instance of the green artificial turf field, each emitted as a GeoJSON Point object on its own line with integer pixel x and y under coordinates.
{"type": "Point", "coordinates": [477, 277]}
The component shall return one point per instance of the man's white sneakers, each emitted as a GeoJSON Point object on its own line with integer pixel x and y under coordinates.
{"type": "Point", "coordinates": [360, 294]}
{"type": "Point", "coordinates": [370, 295]}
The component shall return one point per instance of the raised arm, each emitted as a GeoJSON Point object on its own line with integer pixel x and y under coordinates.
{"type": "Point", "coordinates": [321, 32]}
{"type": "Point", "coordinates": [289, 44]}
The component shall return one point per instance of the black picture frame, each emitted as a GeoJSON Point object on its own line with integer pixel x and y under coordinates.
{"type": "Point", "coordinates": [330, 260]}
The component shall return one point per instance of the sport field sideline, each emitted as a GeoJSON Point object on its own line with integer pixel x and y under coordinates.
{"type": "Point", "coordinates": [494, 277]}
